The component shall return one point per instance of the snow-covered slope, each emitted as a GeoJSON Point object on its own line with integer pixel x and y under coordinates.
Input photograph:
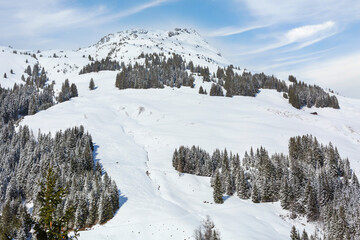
{"type": "Point", "coordinates": [136, 131]}
{"type": "Point", "coordinates": [16, 61]}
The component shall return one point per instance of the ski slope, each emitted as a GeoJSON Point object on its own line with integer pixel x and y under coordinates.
{"type": "Point", "coordinates": [136, 131]}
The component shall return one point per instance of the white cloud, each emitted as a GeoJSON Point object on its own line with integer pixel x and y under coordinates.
{"type": "Point", "coordinates": [303, 36]}
{"type": "Point", "coordinates": [305, 32]}
{"type": "Point", "coordinates": [228, 31]}
{"type": "Point", "coordinates": [38, 18]}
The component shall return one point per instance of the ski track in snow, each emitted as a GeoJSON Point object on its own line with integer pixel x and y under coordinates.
{"type": "Point", "coordinates": [136, 131]}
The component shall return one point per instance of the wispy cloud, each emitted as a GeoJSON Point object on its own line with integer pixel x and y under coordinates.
{"type": "Point", "coordinates": [305, 32]}
{"type": "Point", "coordinates": [133, 10]}
{"type": "Point", "coordinates": [228, 31]}
{"type": "Point", "coordinates": [30, 19]}
{"type": "Point", "coordinates": [304, 36]}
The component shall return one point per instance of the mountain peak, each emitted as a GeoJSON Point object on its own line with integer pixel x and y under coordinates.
{"type": "Point", "coordinates": [127, 45]}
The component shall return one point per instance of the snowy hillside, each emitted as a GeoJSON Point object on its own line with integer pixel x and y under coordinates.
{"type": "Point", "coordinates": [128, 45]}
{"type": "Point", "coordinates": [136, 131]}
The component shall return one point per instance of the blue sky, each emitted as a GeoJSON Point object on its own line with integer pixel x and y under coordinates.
{"type": "Point", "coordinates": [316, 40]}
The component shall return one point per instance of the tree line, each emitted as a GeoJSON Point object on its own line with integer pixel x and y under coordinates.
{"type": "Point", "coordinates": [156, 72]}
{"type": "Point", "coordinates": [103, 64]}
{"type": "Point", "coordinates": [311, 181]}
{"type": "Point", "coordinates": [28, 98]}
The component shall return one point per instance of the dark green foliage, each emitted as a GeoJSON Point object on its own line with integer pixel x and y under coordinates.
{"type": "Point", "coordinates": [91, 84]}
{"type": "Point", "coordinates": [24, 100]}
{"type": "Point", "coordinates": [216, 90]}
{"type": "Point", "coordinates": [292, 79]}
{"type": "Point", "coordinates": [201, 90]}
{"type": "Point", "coordinates": [255, 194]}
{"type": "Point", "coordinates": [157, 72]}
{"type": "Point", "coordinates": [301, 94]}
{"type": "Point", "coordinates": [67, 91]}
{"type": "Point", "coordinates": [5, 76]}
{"type": "Point", "coordinates": [48, 225]}
{"type": "Point", "coordinates": [71, 152]}
{"type": "Point", "coordinates": [248, 84]}
{"type": "Point", "coordinates": [217, 194]}
{"type": "Point", "coordinates": [312, 181]}
{"type": "Point", "coordinates": [15, 222]}
{"type": "Point", "coordinates": [294, 234]}
{"type": "Point", "coordinates": [97, 66]}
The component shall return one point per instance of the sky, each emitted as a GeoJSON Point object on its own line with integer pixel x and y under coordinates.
{"type": "Point", "coordinates": [315, 40]}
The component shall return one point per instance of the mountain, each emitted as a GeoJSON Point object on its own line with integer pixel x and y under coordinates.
{"type": "Point", "coordinates": [135, 133]}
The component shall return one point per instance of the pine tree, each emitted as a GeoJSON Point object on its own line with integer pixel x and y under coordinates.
{"type": "Point", "coordinates": [91, 84]}
{"type": "Point", "coordinates": [304, 235]}
{"type": "Point", "coordinates": [311, 204]}
{"type": "Point", "coordinates": [242, 186]}
{"type": "Point", "coordinates": [294, 234]}
{"type": "Point", "coordinates": [5, 75]}
{"type": "Point", "coordinates": [217, 194]}
{"type": "Point", "coordinates": [201, 90]}
{"type": "Point", "coordinates": [49, 226]}
{"type": "Point", "coordinates": [285, 194]}
{"type": "Point", "coordinates": [73, 90]}
{"type": "Point", "coordinates": [255, 194]}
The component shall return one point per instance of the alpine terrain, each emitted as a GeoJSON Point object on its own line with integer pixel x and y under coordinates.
{"type": "Point", "coordinates": [148, 132]}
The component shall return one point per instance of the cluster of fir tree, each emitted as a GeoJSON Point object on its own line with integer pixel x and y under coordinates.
{"type": "Point", "coordinates": [156, 72]}
{"type": "Point", "coordinates": [301, 94]}
{"type": "Point", "coordinates": [67, 91]}
{"type": "Point", "coordinates": [28, 98]}
{"type": "Point", "coordinates": [295, 235]}
{"type": "Point", "coordinates": [247, 84]}
{"type": "Point", "coordinates": [104, 64]}
{"type": "Point", "coordinates": [202, 71]}
{"type": "Point", "coordinates": [312, 181]}
{"type": "Point", "coordinates": [216, 90]}
{"type": "Point", "coordinates": [36, 76]}
{"type": "Point", "coordinates": [24, 162]}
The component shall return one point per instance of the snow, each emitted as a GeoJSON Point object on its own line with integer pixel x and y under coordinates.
{"type": "Point", "coordinates": [136, 131]}
{"type": "Point", "coordinates": [16, 62]}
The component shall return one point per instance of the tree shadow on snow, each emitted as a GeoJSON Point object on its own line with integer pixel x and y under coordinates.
{"type": "Point", "coordinates": [122, 200]}
{"type": "Point", "coordinates": [95, 158]}
{"type": "Point", "coordinates": [225, 198]}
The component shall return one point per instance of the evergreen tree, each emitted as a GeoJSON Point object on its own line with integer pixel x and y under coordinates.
{"type": "Point", "coordinates": [304, 235]}
{"type": "Point", "coordinates": [91, 84]}
{"type": "Point", "coordinates": [255, 194]}
{"type": "Point", "coordinates": [294, 234]}
{"type": "Point", "coordinates": [218, 194]}
{"type": "Point", "coordinates": [73, 90]}
{"type": "Point", "coordinates": [5, 75]}
{"type": "Point", "coordinates": [49, 226]}
{"type": "Point", "coordinates": [242, 186]}
{"type": "Point", "coordinates": [201, 90]}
